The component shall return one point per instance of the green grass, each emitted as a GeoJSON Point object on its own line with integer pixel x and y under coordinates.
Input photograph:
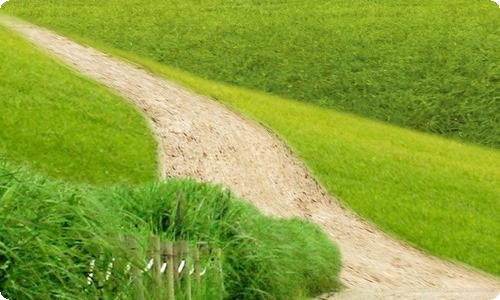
{"type": "Point", "coordinates": [439, 195]}
{"type": "Point", "coordinates": [428, 65]}
{"type": "Point", "coordinates": [68, 126]}
{"type": "Point", "coordinates": [51, 230]}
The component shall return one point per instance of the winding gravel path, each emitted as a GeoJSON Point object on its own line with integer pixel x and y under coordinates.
{"type": "Point", "coordinates": [200, 138]}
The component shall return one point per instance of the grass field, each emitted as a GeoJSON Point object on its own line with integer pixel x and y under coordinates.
{"type": "Point", "coordinates": [427, 65]}
{"type": "Point", "coordinates": [51, 230]}
{"type": "Point", "coordinates": [67, 126]}
{"type": "Point", "coordinates": [439, 195]}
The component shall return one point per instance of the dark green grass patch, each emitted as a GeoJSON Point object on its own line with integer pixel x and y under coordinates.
{"type": "Point", "coordinates": [65, 125]}
{"type": "Point", "coordinates": [427, 65]}
{"type": "Point", "coordinates": [51, 230]}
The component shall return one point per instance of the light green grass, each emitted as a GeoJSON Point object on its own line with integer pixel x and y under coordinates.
{"type": "Point", "coordinates": [65, 125]}
{"type": "Point", "coordinates": [51, 230]}
{"type": "Point", "coordinates": [428, 65]}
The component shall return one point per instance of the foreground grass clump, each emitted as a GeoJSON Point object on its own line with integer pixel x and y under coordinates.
{"type": "Point", "coordinates": [50, 231]}
{"type": "Point", "coordinates": [65, 125]}
{"type": "Point", "coordinates": [427, 65]}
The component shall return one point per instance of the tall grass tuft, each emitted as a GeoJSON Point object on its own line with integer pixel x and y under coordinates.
{"type": "Point", "coordinates": [51, 230]}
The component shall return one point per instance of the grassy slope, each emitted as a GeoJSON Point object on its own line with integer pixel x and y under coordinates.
{"type": "Point", "coordinates": [429, 65]}
{"type": "Point", "coordinates": [51, 230]}
{"type": "Point", "coordinates": [68, 126]}
{"type": "Point", "coordinates": [437, 194]}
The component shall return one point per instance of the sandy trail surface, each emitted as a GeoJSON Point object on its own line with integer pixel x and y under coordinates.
{"type": "Point", "coordinates": [202, 139]}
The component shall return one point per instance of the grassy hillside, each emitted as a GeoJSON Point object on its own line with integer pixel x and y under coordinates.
{"type": "Point", "coordinates": [65, 125]}
{"type": "Point", "coordinates": [436, 194]}
{"type": "Point", "coordinates": [428, 65]}
{"type": "Point", "coordinates": [51, 230]}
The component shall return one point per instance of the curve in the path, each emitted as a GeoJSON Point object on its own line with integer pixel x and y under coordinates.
{"type": "Point", "coordinates": [202, 139]}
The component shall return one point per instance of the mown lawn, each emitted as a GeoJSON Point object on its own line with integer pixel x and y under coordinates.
{"type": "Point", "coordinates": [67, 126]}
{"type": "Point", "coordinates": [427, 65]}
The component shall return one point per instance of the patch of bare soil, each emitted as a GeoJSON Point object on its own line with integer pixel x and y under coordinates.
{"type": "Point", "coordinates": [200, 138]}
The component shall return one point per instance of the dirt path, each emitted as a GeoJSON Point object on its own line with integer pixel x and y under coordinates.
{"type": "Point", "coordinates": [200, 138]}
